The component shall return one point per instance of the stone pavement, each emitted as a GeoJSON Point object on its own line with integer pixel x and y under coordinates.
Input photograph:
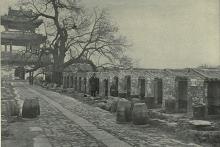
{"type": "Point", "coordinates": [17, 132]}
{"type": "Point", "coordinates": [99, 134]}
{"type": "Point", "coordinates": [58, 129]}
{"type": "Point", "coordinates": [134, 135]}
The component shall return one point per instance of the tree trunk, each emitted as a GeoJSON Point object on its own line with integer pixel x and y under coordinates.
{"type": "Point", "coordinates": [57, 73]}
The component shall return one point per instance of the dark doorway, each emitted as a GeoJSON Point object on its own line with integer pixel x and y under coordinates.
{"type": "Point", "coordinates": [67, 82]}
{"type": "Point", "coordinates": [47, 78]}
{"type": "Point", "coordinates": [128, 86]}
{"type": "Point", "coordinates": [80, 84]}
{"type": "Point", "coordinates": [141, 83]}
{"type": "Point", "coordinates": [75, 83]}
{"type": "Point", "coordinates": [97, 82]}
{"type": "Point", "coordinates": [71, 82]}
{"type": "Point", "coordinates": [56, 77]}
{"type": "Point", "coordinates": [64, 82]}
{"type": "Point", "coordinates": [158, 91]}
{"type": "Point", "coordinates": [213, 98]}
{"type": "Point", "coordinates": [182, 94]}
{"type": "Point", "coordinates": [85, 87]}
{"type": "Point", "coordinates": [94, 85]}
{"type": "Point", "coordinates": [106, 87]}
{"type": "Point", "coordinates": [114, 87]}
{"type": "Point", "coordinates": [20, 72]}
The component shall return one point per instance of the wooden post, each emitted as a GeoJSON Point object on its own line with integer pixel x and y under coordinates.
{"type": "Point", "coordinates": [5, 47]}
{"type": "Point", "coordinates": [76, 83]}
{"type": "Point", "coordinates": [206, 98]}
{"type": "Point", "coordinates": [63, 81]}
{"type": "Point", "coordinates": [11, 47]}
{"type": "Point", "coordinates": [189, 103]}
{"type": "Point", "coordinates": [109, 85]}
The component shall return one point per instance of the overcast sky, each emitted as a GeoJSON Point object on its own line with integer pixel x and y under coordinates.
{"type": "Point", "coordinates": [165, 33]}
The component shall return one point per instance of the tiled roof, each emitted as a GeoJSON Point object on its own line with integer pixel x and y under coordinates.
{"type": "Point", "coordinates": [78, 67]}
{"type": "Point", "coordinates": [203, 73]}
{"type": "Point", "coordinates": [209, 73]}
{"type": "Point", "coordinates": [156, 73]}
{"type": "Point", "coordinates": [21, 12]}
{"type": "Point", "coordinates": [186, 72]}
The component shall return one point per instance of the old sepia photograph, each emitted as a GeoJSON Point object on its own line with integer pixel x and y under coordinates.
{"type": "Point", "coordinates": [110, 73]}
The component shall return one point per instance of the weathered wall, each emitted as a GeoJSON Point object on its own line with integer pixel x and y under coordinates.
{"type": "Point", "coordinates": [195, 89]}
{"type": "Point", "coordinates": [168, 89]}
{"type": "Point", "coordinates": [121, 75]}
{"type": "Point", "coordinates": [196, 92]}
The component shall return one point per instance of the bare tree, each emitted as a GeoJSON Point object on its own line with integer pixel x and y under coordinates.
{"type": "Point", "coordinates": [71, 30]}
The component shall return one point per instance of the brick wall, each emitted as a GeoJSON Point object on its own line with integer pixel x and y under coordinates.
{"type": "Point", "coordinates": [196, 87]}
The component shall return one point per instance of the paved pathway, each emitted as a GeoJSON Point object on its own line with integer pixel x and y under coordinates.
{"type": "Point", "coordinates": [17, 132]}
{"type": "Point", "coordinates": [99, 134]}
{"type": "Point", "coordinates": [97, 122]}
{"type": "Point", "coordinates": [58, 129]}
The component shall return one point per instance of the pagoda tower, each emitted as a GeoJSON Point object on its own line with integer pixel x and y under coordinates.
{"type": "Point", "coordinates": [20, 31]}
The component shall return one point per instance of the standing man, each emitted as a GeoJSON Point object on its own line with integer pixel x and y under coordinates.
{"type": "Point", "coordinates": [31, 78]}
{"type": "Point", "coordinates": [93, 85]}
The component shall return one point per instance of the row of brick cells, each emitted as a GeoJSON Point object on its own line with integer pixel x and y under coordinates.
{"type": "Point", "coordinates": [112, 88]}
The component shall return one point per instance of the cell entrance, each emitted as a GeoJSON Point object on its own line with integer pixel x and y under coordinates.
{"type": "Point", "coordinates": [128, 86]}
{"type": "Point", "coordinates": [85, 87]}
{"type": "Point", "coordinates": [71, 82]}
{"type": "Point", "coordinates": [80, 84]}
{"type": "Point", "coordinates": [213, 98]}
{"type": "Point", "coordinates": [67, 81]}
{"type": "Point", "coordinates": [141, 83]}
{"type": "Point", "coordinates": [158, 91]}
{"type": "Point", "coordinates": [75, 83]}
{"type": "Point", "coordinates": [94, 85]}
{"type": "Point", "coordinates": [106, 87]}
{"type": "Point", "coordinates": [182, 94]}
{"type": "Point", "coordinates": [114, 87]}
